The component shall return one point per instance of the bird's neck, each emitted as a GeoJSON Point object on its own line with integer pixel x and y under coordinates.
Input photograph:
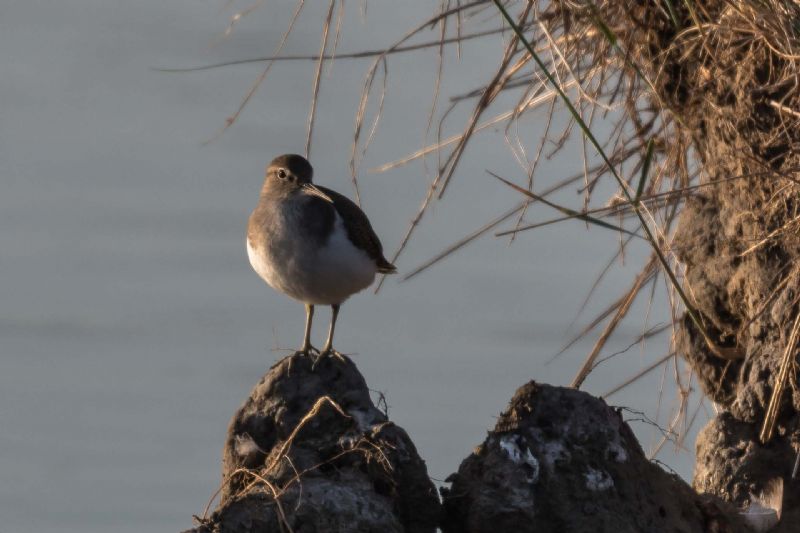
{"type": "Point", "coordinates": [270, 193]}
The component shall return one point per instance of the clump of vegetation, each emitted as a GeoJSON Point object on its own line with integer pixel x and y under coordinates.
{"type": "Point", "coordinates": [704, 104]}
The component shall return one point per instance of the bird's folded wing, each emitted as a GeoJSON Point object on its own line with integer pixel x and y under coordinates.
{"type": "Point", "coordinates": [359, 229]}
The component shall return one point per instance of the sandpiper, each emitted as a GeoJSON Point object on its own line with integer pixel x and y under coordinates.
{"type": "Point", "coordinates": [311, 243]}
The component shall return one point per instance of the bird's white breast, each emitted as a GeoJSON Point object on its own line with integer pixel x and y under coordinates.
{"type": "Point", "coordinates": [310, 273]}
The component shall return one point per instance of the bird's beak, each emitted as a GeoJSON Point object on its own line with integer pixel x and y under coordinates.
{"type": "Point", "coordinates": [309, 188]}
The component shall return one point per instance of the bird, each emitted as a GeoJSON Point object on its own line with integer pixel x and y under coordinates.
{"type": "Point", "coordinates": [311, 243]}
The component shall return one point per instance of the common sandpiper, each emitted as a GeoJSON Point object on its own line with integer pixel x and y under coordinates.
{"type": "Point", "coordinates": [311, 243]}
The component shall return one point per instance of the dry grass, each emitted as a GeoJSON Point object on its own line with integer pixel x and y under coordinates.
{"type": "Point", "coordinates": [266, 479]}
{"type": "Point", "coordinates": [667, 72]}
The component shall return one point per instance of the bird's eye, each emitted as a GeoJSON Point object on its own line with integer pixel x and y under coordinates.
{"type": "Point", "coordinates": [282, 174]}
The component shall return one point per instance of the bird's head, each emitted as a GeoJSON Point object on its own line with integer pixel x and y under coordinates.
{"type": "Point", "coordinates": [291, 174]}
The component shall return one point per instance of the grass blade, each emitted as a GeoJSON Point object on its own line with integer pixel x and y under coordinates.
{"type": "Point", "coordinates": [567, 211]}
{"type": "Point", "coordinates": [673, 15]}
{"type": "Point", "coordinates": [645, 171]}
{"type": "Point", "coordinates": [695, 318]}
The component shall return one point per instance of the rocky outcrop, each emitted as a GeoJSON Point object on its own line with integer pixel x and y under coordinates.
{"type": "Point", "coordinates": [737, 239]}
{"type": "Point", "coordinates": [561, 460]}
{"type": "Point", "coordinates": [309, 450]}
{"type": "Point", "coordinates": [732, 464]}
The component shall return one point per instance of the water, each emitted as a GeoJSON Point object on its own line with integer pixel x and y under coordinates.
{"type": "Point", "coordinates": [131, 325]}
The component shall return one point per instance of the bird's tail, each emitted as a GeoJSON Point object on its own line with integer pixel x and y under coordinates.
{"type": "Point", "coordinates": [385, 267]}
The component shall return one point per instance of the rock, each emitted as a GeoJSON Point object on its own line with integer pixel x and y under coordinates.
{"type": "Point", "coordinates": [733, 465]}
{"type": "Point", "coordinates": [309, 449]}
{"type": "Point", "coordinates": [562, 460]}
{"type": "Point", "coordinates": [749, 298]}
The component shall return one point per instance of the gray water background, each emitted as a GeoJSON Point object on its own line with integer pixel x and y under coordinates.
{"type": "Point", "coordinates": [131, 325]}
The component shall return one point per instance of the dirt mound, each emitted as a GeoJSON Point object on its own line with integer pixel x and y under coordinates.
{"type": "Point", "coordinates": [562, 460]}
{"type": "Point", "coordinates": [309, 450]}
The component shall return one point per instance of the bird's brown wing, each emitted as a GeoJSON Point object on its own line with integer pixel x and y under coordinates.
{"type": "Point", "coordinates": [359, 230]}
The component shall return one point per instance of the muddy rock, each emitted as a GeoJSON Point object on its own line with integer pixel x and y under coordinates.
{"type": "Point", "coordinates": [730, 293]}
{"type": "Point", "coordinates": [747, 296]}
{"type": "Point", "coordinates": [737, 239]}
{"type": "Point", "coordinates": [310, 450]}
{"type": "Point", "coordinates": [732, 464]}
{"type": "Point", "coordinates": [561, 460]}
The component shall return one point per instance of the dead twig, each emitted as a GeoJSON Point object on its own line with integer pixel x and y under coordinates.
{"type": "Point", "coordinates": [771, 416]}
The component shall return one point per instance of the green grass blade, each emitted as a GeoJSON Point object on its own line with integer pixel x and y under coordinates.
{"type": "Point", "coordinates": [645, 170]}
{"type": "Point", "coordinates": [673, 14]}
{"type": "Point", "coordinates": [612, 38]}
{"type": "Point", "coordinates": [571, 213]}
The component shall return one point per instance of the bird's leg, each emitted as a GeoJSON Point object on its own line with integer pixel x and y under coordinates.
{"type": "Point", "coordinates": [328, 348]}
{"type": "Point", "coordinates": [306, 349]}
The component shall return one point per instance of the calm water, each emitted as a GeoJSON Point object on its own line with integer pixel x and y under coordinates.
{"type": "Point", "coordinates": [131, 326]}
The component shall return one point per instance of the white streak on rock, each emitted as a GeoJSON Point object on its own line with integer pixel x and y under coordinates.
{"type": "Point", "coordinates": [510, 446]}
{"type": "Point", "coordinates": [617, 451]}
{"type": "Point", "coordinates": [765, 509]}
{"type": "Point", "coordinates": [598, 479]}
{"type": "Point", "coordinates": [553, 451]}
{"type": "Point", "coordinates": [245, 445]}
{"type": "Point", "coordinates": [364, 420]}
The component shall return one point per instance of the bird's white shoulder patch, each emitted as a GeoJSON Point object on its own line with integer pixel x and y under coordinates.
{"type": "Point", "coordinates": [299, 268]}
{"type": "Point", "coordinates": [258, 261]}
{"type": "Point", "coordinates": [342, 268]}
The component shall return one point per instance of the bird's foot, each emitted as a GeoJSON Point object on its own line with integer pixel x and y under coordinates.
{"type": "Point", "coordinates": [328, 352]}
{"type": "Point", "coordinates": [308, 351]}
